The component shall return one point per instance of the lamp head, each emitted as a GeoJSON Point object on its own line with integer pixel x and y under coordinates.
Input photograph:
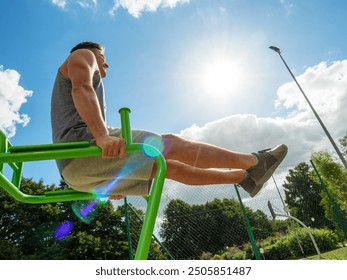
{"type": "Point", "coordinates": [275, 49]}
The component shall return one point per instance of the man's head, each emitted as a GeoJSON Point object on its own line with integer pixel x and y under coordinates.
{"type": "Point", "coordinates": [87, 45]}
{"type": "Point", "coordinates": [99, 52]}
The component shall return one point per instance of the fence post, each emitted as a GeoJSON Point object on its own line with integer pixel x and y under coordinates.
{"type": "Point", "coordinates": [248, 227]}
{"type": "Point", "coordinates": [127, 224]}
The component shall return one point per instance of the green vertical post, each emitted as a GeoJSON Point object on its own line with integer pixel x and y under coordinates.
{"type": "Point", "coordinates": [125, 124]}
{"type": "Point", "coordinates": [153, 235]}
{"type": "Point", "coordinates": [127, 224]}
{"type": "Point", "coordinates": [3, 147]}
{"type": "Point", "coordinates": [157, 186]}
{"type": "Point", "coordinates": [336, 210]}
{"type": "Point", "coordinates": [152, 210]}
{"type": "Point", "coordinates": [248, 227]}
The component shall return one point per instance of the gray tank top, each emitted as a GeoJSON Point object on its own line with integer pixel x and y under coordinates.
{"type": "Point", "coordinates": [67, 125]}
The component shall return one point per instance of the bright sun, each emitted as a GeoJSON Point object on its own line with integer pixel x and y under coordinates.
{"type": "Point", "coordinates": [220, 77]}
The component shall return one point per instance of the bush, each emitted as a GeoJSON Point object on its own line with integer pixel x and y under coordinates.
{"type": "Point", "coordinates": [240, 256]}
{"type": "Point", "coordinates": [206, 256]}
{"type": "Point", "coordinates": [326, 240]}
{"type": "Point", "coordinates": [278, 250]}
{"type": "Point", "coordinates": [283, 247]}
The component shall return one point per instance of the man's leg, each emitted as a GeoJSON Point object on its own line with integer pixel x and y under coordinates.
{"type": "Point", "coordinates": [191, 175]}
{"type": "Point", "coordinates": [204, 155]}
{"type": "Point", "coordinates": [191, 162]}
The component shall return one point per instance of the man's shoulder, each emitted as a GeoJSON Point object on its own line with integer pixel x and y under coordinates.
{"type": "Point", "coordinates": [81, 53]}
{"type": "Point", "coordinates": [76, 59]}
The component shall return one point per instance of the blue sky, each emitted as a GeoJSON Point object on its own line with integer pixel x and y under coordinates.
{"type": "Point", "coordinates": [198, 68]}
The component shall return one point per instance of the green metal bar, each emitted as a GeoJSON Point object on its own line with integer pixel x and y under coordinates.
{"type": "Point", "coordinates": [157, 188]}
{"type": "Point", "coordinates": [39, 199]}
{"type": "Point", "coordinates": [248, 227]}
{"type": "Point", "coordinates": [153, 235]}
{"type": "Point", "coordinates": [13, 190]}
{"type": "Point", "coordinates": [17, 174]}
{"type": "Point", "coordinates": [152, 209]}
{"type": "Point", "coordinates": [38, 155]}
{"type": "Point", "coordinates": [337, 212]}
{"type": "Point", "coordinates": [16, 155]}
{"type": "Point", "coordinates": [3, 147]}
{"type": "Point", "coordinates": [125, 124]}
{"type": "Point", "coordinates": [41, 147]}
{"type": "Point", "coordinates": [127, 224]}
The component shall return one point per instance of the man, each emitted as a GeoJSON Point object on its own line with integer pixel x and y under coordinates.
{"type": "Point", "coordinates": [77, 114]}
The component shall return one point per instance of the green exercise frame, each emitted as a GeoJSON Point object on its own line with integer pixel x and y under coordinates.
{"type": "Point", "coordinates": [15, 156]}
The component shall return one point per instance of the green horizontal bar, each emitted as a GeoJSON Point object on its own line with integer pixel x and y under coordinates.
{"type": "Point", "coordinates": [49, 154]}
{"type": "Point", "coordinates": [39, 199]}
{"type": "Point", "coordinates": [59, 192]}
{"type": "Point", "coordinates": [59, 195]}
{"type": "Point", "coordinates": [40, 147]}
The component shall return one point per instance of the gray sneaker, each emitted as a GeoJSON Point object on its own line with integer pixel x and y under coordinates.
{"type": "Point", "coordinates": [268, 161]}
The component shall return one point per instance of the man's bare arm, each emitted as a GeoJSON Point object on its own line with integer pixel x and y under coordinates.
{"type": "Point", "coordinates": [81, 66]}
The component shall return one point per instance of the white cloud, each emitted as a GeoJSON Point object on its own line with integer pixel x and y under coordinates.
{"type": "Point", "coordinates": [82, 3]}
{"type": "Point", "coordinates": [136, 7]}
{"type": "Point", "coordinates": [12, 96]}
{"type": "Point", "coordinates": [287, 6]}
{"type": "Point", "coordinates": [87, 4]}
{"type": "Point", "coordinates": [60, 3]}
{"type": "Point", "coordinates": [326, 87]}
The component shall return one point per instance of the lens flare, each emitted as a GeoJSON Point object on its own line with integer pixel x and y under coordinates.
{"type": "Point", "coordinates": [63, 230]}
{"type": "Point", "coordinates": [85, 211]}
{"type": "Point", "coordinates": [155, 142]}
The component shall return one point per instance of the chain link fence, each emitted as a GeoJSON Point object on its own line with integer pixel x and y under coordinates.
{"type": "Point", "coordinates": [224, 222]}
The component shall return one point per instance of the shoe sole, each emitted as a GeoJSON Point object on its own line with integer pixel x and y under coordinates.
{"type": "Point", "coordinates": [256, 190]}
{"type": "Point", "coordinates": [269, 172]}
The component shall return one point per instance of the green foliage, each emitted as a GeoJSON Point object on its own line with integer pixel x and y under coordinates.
{"type": "Point", "coordinates": [283, 246]}
{"type": "Point", "coordinates": [286, 247]}
{"type": "Point", "coordinates": [335, 179]}
{"type": "Point", "coordinates": [185, 225]}
{"type": "Point", "coordinates": [234, 253]}
{"type": "Point", "coordinates": [27, 230]}
{"type": "Point", "coordinates": [303, 196]}
{"type": "Point", "coordinates": [8, 251]}
{"type": "Point", "coordinates": [325, 239]}
{"type": "Point", "coordinates": [338, 254]}
{"type": "Point", "coordinates": [136, 218]}
{"type": "Point", "coordinates": [279, 250]}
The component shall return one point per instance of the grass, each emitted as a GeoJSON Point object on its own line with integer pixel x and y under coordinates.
{"type": "Point", "coordinates": [338, 254]}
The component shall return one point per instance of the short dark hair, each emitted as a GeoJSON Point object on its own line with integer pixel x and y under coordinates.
{"type": "Point", "coordinates": [87, 45]}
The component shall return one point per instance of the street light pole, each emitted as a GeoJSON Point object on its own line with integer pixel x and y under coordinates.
{"type": "Point", "coordinates": [277, 50]}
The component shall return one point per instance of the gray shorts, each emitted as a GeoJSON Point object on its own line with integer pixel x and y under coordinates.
{"type": "Point", "coordinates": [127, 176]}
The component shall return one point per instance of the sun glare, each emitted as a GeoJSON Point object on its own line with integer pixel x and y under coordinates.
{"type": "Point", "coordinates": [220, 77]}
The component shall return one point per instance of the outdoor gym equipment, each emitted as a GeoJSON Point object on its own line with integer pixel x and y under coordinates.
{"type": "Point", "coordinates": [15, 156]}
{"type": "Point", "coordinates": [273, 214]}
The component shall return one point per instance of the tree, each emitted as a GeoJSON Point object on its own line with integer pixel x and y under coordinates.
{"type": "Point", "coordinates": [190, 230]}
{"type": "Point", "coordinates": [27, 230]}
{"type": "Point", "coordinates": [25, 225]}
{"type": "Point", "coordinates": [343, 143]}
{"type": "Point", "coordinates": [176, 229]}
{"type": "Point", "coordinates": [335, 179]}
{"type": "Point", "coordinates": [135, 220]}
{"type": "Point", "coordinates": [303, 197]}
{"type": "Point", "coordinates": [261, 226]}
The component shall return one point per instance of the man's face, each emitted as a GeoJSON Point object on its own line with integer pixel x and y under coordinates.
{"type": "Point", "coordinates": [101, 61]}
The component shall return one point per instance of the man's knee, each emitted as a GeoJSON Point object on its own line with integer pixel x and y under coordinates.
{"type": "Point", "coordinates": [171, 140]}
